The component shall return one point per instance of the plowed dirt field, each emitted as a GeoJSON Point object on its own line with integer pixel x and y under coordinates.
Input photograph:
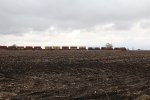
{"type": "Point", "coordinates": [74, 75]}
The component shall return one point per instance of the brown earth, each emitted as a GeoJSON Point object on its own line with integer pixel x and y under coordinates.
{"type": "Point", "coordinates": [74, 75]}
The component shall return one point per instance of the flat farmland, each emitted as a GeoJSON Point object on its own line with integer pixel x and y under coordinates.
{"type": "Point", "coordinates": [74, 75]}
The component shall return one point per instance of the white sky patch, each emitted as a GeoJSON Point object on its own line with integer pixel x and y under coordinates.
{"type": "Point", "coordinates": [99, 35]}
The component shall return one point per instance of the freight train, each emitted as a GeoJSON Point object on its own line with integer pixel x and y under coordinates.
{"type": "Point", "coordinates": [60, 48]}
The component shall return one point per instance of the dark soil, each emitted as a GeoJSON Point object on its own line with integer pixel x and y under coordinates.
{"type": "Point", "coordinates": [74, 75]}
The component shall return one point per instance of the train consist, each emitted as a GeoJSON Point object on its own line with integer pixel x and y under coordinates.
{"type": "Point", "coordinates": [60, 48]}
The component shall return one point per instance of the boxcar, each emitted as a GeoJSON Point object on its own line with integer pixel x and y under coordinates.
{"type": "Point", "coordinates": [82, 47]}
{"type": "Point", "coordinates": [65, 47]}
{"type": "Point", "coordinates": [104, 48]}
{"type": "Point", "coordinates": [29, 48]}
{"type": "Point", "coordinates": [12, 48]}
{"type": "Point", "coordinates": [96, 48]}
{"type": "Point", "coordinates": [3, 47]}
{"type": "Point", "coordinates": [56, 47]}
{"type": "Point", "coordinates": [48, 48]}
{"type": "Point", "coordinates": [37, 48]}
{"type": "Point", "coordinates": [73, 48]}
{"type": "Point", "coordinates": [20, 47]}
{"type": "Point", "coordinates": [90, 48]}
{"type": "Point", "coordinates": [120, 48]}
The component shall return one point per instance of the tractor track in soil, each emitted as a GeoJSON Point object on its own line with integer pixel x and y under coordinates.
{"type": "Point", "coordinates": [74, 75]}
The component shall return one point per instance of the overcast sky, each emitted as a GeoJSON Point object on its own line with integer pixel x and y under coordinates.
{"type": "Point", "coordinates": [75, 22]}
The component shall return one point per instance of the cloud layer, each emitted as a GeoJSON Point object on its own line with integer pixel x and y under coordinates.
{"type": "Point", "coordinates": [75, 22]}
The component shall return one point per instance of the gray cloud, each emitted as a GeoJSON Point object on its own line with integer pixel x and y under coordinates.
{"type": "Point", "coordinates": [19, 16]}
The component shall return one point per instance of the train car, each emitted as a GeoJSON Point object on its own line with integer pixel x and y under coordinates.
{"type": "Point", "coordinates": [3, 48]}
{"type": "Point", "coordinates": [82, 47]}
{"type": "Point", "coordinates": [97, 48]}
{"type": "Point", "coordinates": [73, 48]}
{"type": "Point", "coordinates": [109, 49]}
{"type": "Point", "coordinates": [123, 49]}
{"type": "Point", "coordinates": [120, 49]}
{"type": "Point", "coordinates": [29, 48]}
{"type": "Point", "coordinates": [93, 48]}
{"type": "Point", "coordinates": [12, 48]}
{"type": "Point", "coordinates": [48, 48]}
{"type": "Point", "coordinates": [56, 47]}
{"type": "Point", "coordinates": [104, 48]}
{"type": "Point", "coordinates": [20, 47]}
{"type": "Point", "coordinates": [65, 47]}
{"type": "Point", "coordinates": [37, 48]}
{"type": "Point", "coordinates": [90, 48]}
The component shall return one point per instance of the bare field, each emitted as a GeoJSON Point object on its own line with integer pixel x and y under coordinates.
{"type": "Point", "coordinates": [74, 75]}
